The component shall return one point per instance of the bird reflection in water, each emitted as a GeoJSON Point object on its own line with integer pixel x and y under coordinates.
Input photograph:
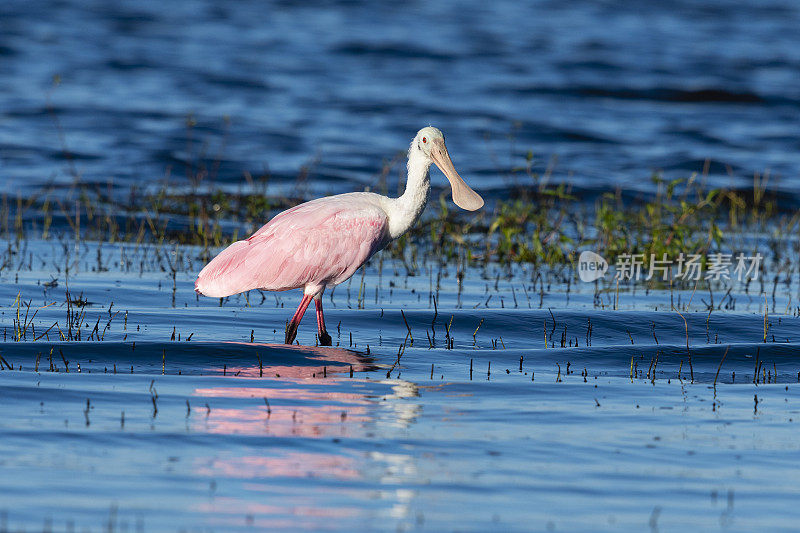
{"type": "Point", "coordinates": [294, 362]}
{"type": "Point", "coordinates": [305, 391]}
{"type": "Point", "coordinates": [303, 405]}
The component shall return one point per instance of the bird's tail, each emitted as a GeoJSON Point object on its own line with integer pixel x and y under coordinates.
{"type": "Point", "coordinates": [226, 274]}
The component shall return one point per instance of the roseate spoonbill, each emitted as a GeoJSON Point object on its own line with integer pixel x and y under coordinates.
{"type": "Point", "coordinates": [321, 243]}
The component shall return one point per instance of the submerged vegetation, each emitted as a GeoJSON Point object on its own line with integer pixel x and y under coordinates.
{"type": "Point", "coordinates": [534, 220]}
{"type": "Point", "coordinates": [537, 222]}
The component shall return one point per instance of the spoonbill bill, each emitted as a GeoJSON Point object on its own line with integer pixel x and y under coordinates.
{"type": "Point", "coordinates": [321, 243]}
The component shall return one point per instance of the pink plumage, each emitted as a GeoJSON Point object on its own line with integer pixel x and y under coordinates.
{"type": "Point", "coordinates": [314, 245]}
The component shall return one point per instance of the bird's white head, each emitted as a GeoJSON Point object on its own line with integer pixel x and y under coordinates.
{"type": "Point", "coordinates": [430, 143]}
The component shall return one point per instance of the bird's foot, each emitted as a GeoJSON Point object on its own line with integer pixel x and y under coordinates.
{"type": "Point", "coordinates": [325, 339]}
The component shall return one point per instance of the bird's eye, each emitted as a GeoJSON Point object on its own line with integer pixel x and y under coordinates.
{"type": "Point", "coordinates": [424, 140]}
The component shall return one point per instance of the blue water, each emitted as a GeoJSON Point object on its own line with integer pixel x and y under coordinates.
{"type": "Point", "coordinates": [613, 91]}
{"type": "Point", "coordinates": [510, 402]}
{"type": "Point", "coordinates": [189, 415]}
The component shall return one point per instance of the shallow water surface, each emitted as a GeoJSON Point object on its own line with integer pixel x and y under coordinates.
{"type": "Point", "coordinates": [177, 421]}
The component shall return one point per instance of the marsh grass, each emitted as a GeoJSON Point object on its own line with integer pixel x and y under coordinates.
{"type": "Point", "coordinates": [537, 221]}
{"type": "Point", "coordinates": [539, 225]}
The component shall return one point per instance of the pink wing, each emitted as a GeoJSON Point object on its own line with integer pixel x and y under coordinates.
{"type": "Point", "coordinates": [315, 244]}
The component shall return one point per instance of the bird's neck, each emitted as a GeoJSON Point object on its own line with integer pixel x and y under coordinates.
{"type": "Point", "coordinates": [409, 207]}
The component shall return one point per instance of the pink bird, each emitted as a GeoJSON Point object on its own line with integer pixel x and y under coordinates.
{"type": "Point", "coordinates": [321, 243]}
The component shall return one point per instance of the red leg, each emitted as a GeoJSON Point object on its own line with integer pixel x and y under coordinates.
{"type": "Point", "coordinates": [324, 338]}
{"type": "Point", "coordinates": [291, 329]}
